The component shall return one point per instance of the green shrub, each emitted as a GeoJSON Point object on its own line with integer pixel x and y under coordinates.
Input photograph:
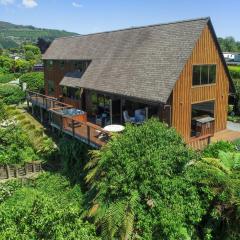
{"type": "Point", "coordinates": [11, 94]}
{"type": "Point", "coordinates": [234, 71]}
{"type": "Point", "coordinates": [34, 81]}
{"type": "Point", "coordinates": [213, 149]}
{"type": "Point", "coordinates": [20, 117]}
{"type": "Point", "coordinates": [7, 189]}
{"type": "Point", "coordinates": [51, 209]}
{"type": "Point", "coordinates": [138, 187]}
{"type": "Point", "coordinates": [8, 78]}
{"type": "Point", "coordinates": [15, 146]}
{"type": "Point", "coordinates": [3, 111]}
{"type": "Point", "coordinates": [74, 155]}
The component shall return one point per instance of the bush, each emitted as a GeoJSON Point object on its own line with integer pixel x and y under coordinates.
{"type": "Point", "coordinates": [213, 149]}
{"type": "Point", "coordinates": [15, 146]}
{"type": "Point", "coordinates": [51, 209]}
{"type": "Point", "coordinates": [8, 77]}
{"type": "Point", "coordinates": [138, 185]}
{"type": "Point", "coordinates": [34, 81]}
{"type": "Point", "coordinates": [11, 94]}
{"type": "Point", "coordinates": [74, 155]}
{"type": "Point", "coordinates": [234, 71]}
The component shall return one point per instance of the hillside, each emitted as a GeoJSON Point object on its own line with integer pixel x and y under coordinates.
{"type": "Point", "coordinates": [12, 35]}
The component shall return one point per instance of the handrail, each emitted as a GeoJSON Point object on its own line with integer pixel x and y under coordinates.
{"type": "Point", "coordinates": [63, 119]}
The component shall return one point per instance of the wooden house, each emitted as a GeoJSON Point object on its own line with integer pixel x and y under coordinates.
{"type": "Point", "coordinates": [174, 72]}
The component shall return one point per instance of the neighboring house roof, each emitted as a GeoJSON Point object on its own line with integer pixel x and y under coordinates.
{"type": "Point", "coordinates": [142, 62]}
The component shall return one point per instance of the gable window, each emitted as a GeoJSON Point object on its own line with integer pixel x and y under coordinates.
{"type": "Point", "coordinates": [62, 64]}
{"type": "Point", "coordinates": [204, 74]}
{"type": "Point", "coordinates": [49, 63]}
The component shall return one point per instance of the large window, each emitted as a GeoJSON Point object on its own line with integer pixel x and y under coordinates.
{"type": "Point", "coordinates": [50, 87]}
{"type": "Point", "coordinates": [201, 111]}
{"type": "Point", "coordinates": [72, 93]}
{"type": "Point", "coordinates": [204, 74]}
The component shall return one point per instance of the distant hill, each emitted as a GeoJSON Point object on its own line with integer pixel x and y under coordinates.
{"type": "Point", "coordinates": [12, 35]}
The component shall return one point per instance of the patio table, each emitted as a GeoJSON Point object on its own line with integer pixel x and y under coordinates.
{"type": "Point", "coordinates": [114, 128]}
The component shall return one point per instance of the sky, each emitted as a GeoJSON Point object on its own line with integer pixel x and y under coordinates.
{"type": "Point", "coordinates": [89, 16]}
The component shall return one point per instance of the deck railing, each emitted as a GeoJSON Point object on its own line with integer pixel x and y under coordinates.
{"type": "Point", "coordinates": [44, 101]}
{"type": "Point", "coordinates": [85, 131]}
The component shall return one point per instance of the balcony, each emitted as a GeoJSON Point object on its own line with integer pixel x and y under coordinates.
{"type": "Point", "coordinates": [69, 120]}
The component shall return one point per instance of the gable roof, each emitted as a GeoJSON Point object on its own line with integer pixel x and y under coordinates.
{"type": "Point", "coordinates": [142, 62]}
{"type": "Point", "coordinates": [71, 79]}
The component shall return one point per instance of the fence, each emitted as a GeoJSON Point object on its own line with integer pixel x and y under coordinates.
{"type": "Point", "coordinates": [13, 171]}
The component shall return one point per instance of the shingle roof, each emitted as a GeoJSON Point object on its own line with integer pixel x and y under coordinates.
{"type": "Point", "coordinates": [142, 62]}
{"type": "Point", "coordinates": [71, 79]}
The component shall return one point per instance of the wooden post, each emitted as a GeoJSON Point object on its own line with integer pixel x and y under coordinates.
{"type": "Point", "coordinates": [26, 168]}
{"type": "Point", "coordinates": [110, 110]}
{"type": "Point", "coordinates": [146, 112]}
{"type": "Point", "coordinates": [121, 110]}
{"type": "Point", "coordinates": [73, 129]}
{"type": "Point", "coordinates": [88, 134]}
{"type": "Point", "coordinates": [28, 103]}
{"type": "Point", "coordinates": [32, 109]}
{"type": "Point", "coordinates": [8, 172]}
{"type": "Point", "coordinates": [33, 167]}
{"type": "Point", "coordinates": [16, 172]}
{"type": "Point", "coordinates": [41, 114]}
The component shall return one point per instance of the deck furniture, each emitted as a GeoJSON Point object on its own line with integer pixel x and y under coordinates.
{"type": "Point", "coordinates": [127, 118]}
{"type": "Point", "coordinates": [114, 128]}
{"type": "Point", "coordinates": [140, 115]}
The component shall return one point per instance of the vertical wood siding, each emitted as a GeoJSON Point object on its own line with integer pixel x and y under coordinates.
{"type": "Point", "coordinates": [184, 94]}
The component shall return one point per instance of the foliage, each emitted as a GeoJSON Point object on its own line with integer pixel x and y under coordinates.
{"type": "Point", "coordinates": [13, 35]}
{"type": "Point", "coordinates": [6, 64]}
{"type": "Point", "coordinates": [7, 189]}
{"type": "Point", "coordinates": [218, 182]}
{"type": "Point", "coordinates": [6, 78]}
{"type": "Point", "coordinates": [138, 185]}
{"type": "Point", "coordinates": [11, 94]}
{"type": "Point", "coordinates": [15, 146]}
{"type": "Point", "coordinates": [3, 111]}
{"type": "Point", "coordinates": [22, 66]}
{"type": "Point", "coordinates": [229, 44]}
{"type": "Point", "coordinates": [74, 155]}
{"type": "Point", "coordinates": [49, 209]}
{"type": "Point", "coordinates": [34, 80]}
{"type": "Point", "coordinates": [234, 71]}
{"type": "Point", "coordinates": [43, 145]}
{"type": "Point", "coordinates": [213, 149]}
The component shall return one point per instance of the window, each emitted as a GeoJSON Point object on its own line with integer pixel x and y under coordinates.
{"type": "Point", "coordinates": [62, 64]}
{"type": "Point", "coordinates": [204, 74]}
{"type": "Point", "coordinates": [50, 87]}
{"type": "Point", "coordinates": [49, 63]}
{"type": "Point", "coordinates": [200, 111]}
{"type": "Point", "coordinates": [72, 93]}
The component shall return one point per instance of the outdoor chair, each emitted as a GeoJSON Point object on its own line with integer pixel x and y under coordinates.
{"type": "Point", "coordinates": [127, 118]}
{"type": "Point", "coordinates": [140, 115]}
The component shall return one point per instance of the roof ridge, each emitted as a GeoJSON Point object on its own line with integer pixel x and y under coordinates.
{"type": "Point", "coordinates": [132, 28]}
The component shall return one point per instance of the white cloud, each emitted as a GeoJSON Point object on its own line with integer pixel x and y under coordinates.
{"type": "Point", "coordinates": [76, 5]}
{"type": "Point", "coordinates": [29, 3]}
{"type": "Point", "coordinates": [6, 2]}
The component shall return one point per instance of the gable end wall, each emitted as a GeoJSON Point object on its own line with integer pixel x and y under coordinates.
{"type": "Point", "coordinates": [204, 52]}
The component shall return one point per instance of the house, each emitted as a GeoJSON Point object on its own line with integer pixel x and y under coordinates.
{"type": "Point", "coordinates": [231, 56]}
{"type": "Point", "coordinates": [174, 72]}
{"type": "Point", "coordinates": [38, 67]}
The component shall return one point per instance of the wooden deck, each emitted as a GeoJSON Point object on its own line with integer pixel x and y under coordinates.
{"type": "Point", "coordinates": [85, 131]}
{"type": "Point", "coordinates": [226, 135]}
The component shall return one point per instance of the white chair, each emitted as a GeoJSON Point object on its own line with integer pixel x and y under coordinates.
{"type": "Point", "coordinates": [127, 118]}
